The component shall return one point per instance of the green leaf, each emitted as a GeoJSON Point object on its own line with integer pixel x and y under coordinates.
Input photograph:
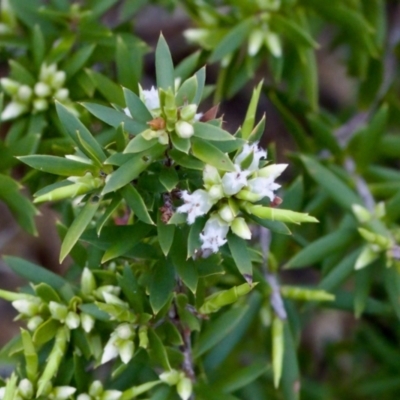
{"type": "Point", "coordinates": [47, 293]}
{"type": "Point", "coordinates": [169, 178]}
{"type": "Point", "coordinates": [21, 74]}
{"type": "Point", "coordinates": [179, 143]}
{"type": "Point", "coordinates": [210, 154]}
{"type": "Point", "coordinates": [58, 165]}
{"type": "Point", "coordinates": [232, 41]}
{"type": "Point", "coordinates": [131, 289]}
{"type": "Point", "coordinates": [126, 173]}
{"type": "Point", "coordinates": [211, 132]}
{"type": "Point", "coordinates": [126, 60]}
{"type": "Point", "coordinates": [94, 311]}
{"type": "Point", "coordinates": [363, 283]}
{"type": "Point", "coordinates": [274, 226]}
{"type": "Point", "coordinates": [186, 92]}
{"type": "Point", "coordinates": [136, 203]}
{"type": "Point", "coordinates": [218, 329]}
{"type": "Point", "coordinates": [186, 160]}
{"type": "Point", "coordinates": [108, 212]}
{"type": "Point", "coordinates": [136, 107]}
{"type": "Point", "coordinates": [73, 126]}
{"type": "Point", "coordinates": [297, 34]}
{"type": "Point", "coordinates": [138, 144]}
{"type": "Point", "coordinates": [240, 254]}
{"type": "Point", "coordinates": [31, 357]}
{"type": "Point", "coordinates": [201, 79]}
{"type": "Point", "coordinates": [157, 350]}
{"type": "Point", "coordinates": [321, 248]}
{"type": "Point", "coordinates": [110, 90]}
{"type": "Point", "coordinates": [335, 187]}
{"type": "Point", "coordinates": [78, 60]}
{"type": "Point", "coordinates": [123, 240]}
{"type": "Point", "coordinates": [38, 46]}
{"type": "Point", "coordinates": [370, 138]}
{"type": "Point", "coordinates": [162, 284]}
{"type": "Point", "coordinates": [34, 273]}
{"type": "Point", "coordinates": [115, 118]}
{"type": "Point", "coordinates": [165, 234]}
{"type": "Point", "coordinates": [392, 285]}
{"type": "Point", "coordinates": [278, 348]}
{"type": "Point", "coordinates": [250, 117]}
{"type": "Point", "coordinates": [45, 332]}
{"type": "Point", "coordinates": [78, 226]}
{"type": "Point", "coordinates": [21, 208]}
{"type": "Point", "coordinates": [164, 66]}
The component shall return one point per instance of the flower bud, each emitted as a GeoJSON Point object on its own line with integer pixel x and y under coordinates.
{"type": "Point", "coordinates": [361, 213]}
{"type": "Point", "coordinates": [25, 388]}
{"type": "Point", "coordinates": [88, 282]}
{"type": "Point", "coordinates": [41, 89]}
{"type": "Point", "coordinates": [40, 105]}
{"type": "Point", "coordinates": [256, 39]}
{"type": "Point", "coordinates": [72, 320]}
{"type": "Point", "coordinates": [58, 311]}
{"type": "Point", "coordinates": [240, 228]}
{"type": "Point", "coordinates": [184, 129]}
{"type": "Point", "coordinates": [111, 395]}
{"type": "Point", "coordinates": [24, 93]}
{"type": "Point", "coordinates": [366, 257]}
{"type": "Point", "coordinates": [163, 138]}
{"type": "Point", "coordinates": [273, 42]}
{"type": "Point", "coordinates": [87, 322]}
{"type": "Point", "coordinates": [273, 170]}
{"type": "Point", "coordinates": [125, 331]}
{"type": "Point", "coordinates": [96, 389]}
{"type": "Point", "coordinates": [47, 72]}
{"type": "Point", "coordinates": [58, 79]}
{"type": "Point", "coordinates": [211, 175]}
{"type": "Point", "coordinates": [216, 192]}
{"type": "Point", "coordinates": [184, 388]}
{"type": "Point", "coordinates": [188, 112]}
{"type": "Point", "coordinates": [171, 377]}
{"type": "Point", "coordinates": [61, 94]}
{"type": "Point", "coordinates": [10, 86]}
{"type": "Point", "coordinates": [381, 241]}
{"type": "Point", "coordinates": [149, 134]}
{"type": "Point", "coordinates": [226, 213]}
{"type": "Point", "coordinates": [13, 110]}
{"type": "Point", "coordinates": [63, 392]}
{"type": "Point", "coordinates": [126, 350]}
{"type": "Point", "coordinates": [84, 396]}
{"type": "Point", "coordinates": [28, 307]}
{"type": "Point", "coordinates": [112, 299]}
{"type": "Point", "coordinates": [143, 337]}
{"type": "Point", "coordinates": [34, 322]}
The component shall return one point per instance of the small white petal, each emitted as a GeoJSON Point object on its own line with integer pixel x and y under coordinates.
{"type": "Point", "coordinates": [63, 392]}
{"type": "Point", "coordinates": [41, 89]}
{"type": "Point", "coordinates": [196, 204]}
{"type": "Point", "coordinates": [150, 98]}
{"type": "Point", "coordinates": [110, 351]}
{"type": "Point", "coordinates": [111, 395]}
{"type": "Point", "coordinates": [13, 110]}
{"type": "Point", "coordinates": [233, 182]}
{"type": "Point", "coordinates": [264, 187]}
{"type": "Point", "coordinates": [214, 234]}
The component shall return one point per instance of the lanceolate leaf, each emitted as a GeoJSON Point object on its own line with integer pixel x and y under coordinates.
{"type": "Point", "coordinates": [164, 65]}
{"type": "Point", "coordinates": [78, 226]}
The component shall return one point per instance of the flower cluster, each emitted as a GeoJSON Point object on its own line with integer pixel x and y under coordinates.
{"type": "Point", "coordinates": [167, 116]}
{"type": "Point", "coordinates": [25, 390]}
{"type": "Point", "coordinates": [25, 98]}
{"type": "Point", "coordinates": [227, 192]}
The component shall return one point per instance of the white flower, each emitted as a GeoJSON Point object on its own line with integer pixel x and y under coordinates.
{"type": "Point", "coordinates": [150, 98]}
{"type": "Point", "coordinates": [264, 187]}
{"type": "Point", "coordinates": [196, 204]}
{"type": "Point", "coordinates": [233, 182]}
{"type": "Point", "coordinates": [257, 155]}
{"type": "Point", "coordinates": [214, 234]}
{"type": "Point", "coordinates": [62, 392]}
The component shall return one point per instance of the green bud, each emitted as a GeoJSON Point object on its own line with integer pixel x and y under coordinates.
{"type": "Point", "coordinates": [380, 210]}
{"type": "Point", "coordinates": [58, 79]}
{"type": "Point", "coordinates": [10, 86]}
{"type": "Point", "coordinates": [96, 389]}
{"type": "Point", "coordinates": [126, 349]}
{"type": "Point", "coordinates": [28, 307]}
{"type": "Point", "coordinates": [226, 213]}
{"type": "Point", "coordinates": [125, 331]}
{"type": "Point", "coordinates": [361, 213]}
{"type": "Point", "coordinates": [171, 377]}
{"type": "Point", "coordinates": [41, 89]}
{"type": "Point", "coordinates": [40, 105]}
{"type": "Point", "coordinates": [188, 112]}
{"type": "Point", "coordinates": [88, 282]}
{"type": "Point", "coordinates": [58, 311]}
{"type": "Point", "coordinates": [277, 214]}
{"type": "Point", "coordinates": [24, 93]}
{"type": "Point", "coordinates": [247, 195]}
{"type": "Point", "coordinates": [366, 257]}
{"type": "Point", "coordinates": [87, 322]}
{"type": "Point", "coordinates": [143, 337]}
{"type": "Point", "coordinates": [220, 299]}
{"type": "Point", "coordinates": [84, 396]}
{"type": "Point", "coordinates": [25, 388]}
{"type": "Point", "coordinates": [34, 322]}
{"type": "Point", "coordinates": [184, 388]}
{"type": "Point", "coordinates": [111, 395]}
{"type": "Point", "coordinates": [273, 42]}
{"type": "Point", "coordinates": [256, 40]}
{"type": "Point", "coordinates": [382, 242]}
{"type": "Point", "coordinates": [72, 321]}
{"type": "Point", "coordinates": [184, 129]}
{"type": "Point", "coordinates": [62, 392]}
{"type": "Point", "coordinates": [61, 94]}
{"type": "Point", "coordinates": [240, 228]}
{"type": "Point", "coordinates": [306, 294]}
{"type": "Point", "coordinates": [278, 348]}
